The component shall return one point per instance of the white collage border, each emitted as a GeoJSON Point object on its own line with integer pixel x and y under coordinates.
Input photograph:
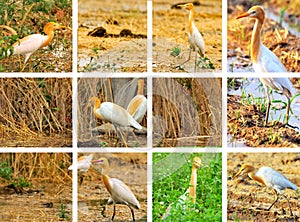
{"type": "Point", "coordinates": [150, 75]}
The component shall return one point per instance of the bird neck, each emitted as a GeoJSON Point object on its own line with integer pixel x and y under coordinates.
{"type": "Point", "coordinates": [191, 17]}
{"type": "Point", "coordinates": [193, 184]}
{"type": "Point", "coordinates": [97, 105]}
{"type": "Point", "coordinates": [255, 40]}
{"type": "Point", "coordinates": [140, 87]}
{"type": "Point", "coordinates": [256, 178]}
{"type": "Point", "coordinates": [50, 35]}
{"type": "Point", "coordinates": [105, 179]}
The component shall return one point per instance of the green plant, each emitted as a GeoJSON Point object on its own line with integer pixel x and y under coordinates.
{"type": "Point", "coordinates": [205, 63]}
{"type": "Point", "coordinates": [170, 184]}
{"type": "Point", "coordinates": [175, 51]}
{"type": "Point", "coordinates": [62, 212]}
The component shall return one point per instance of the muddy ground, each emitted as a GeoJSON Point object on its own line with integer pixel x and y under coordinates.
{"type": "Point", "coordinates": [112, 54]}
{"type": "Point", "coordinates": [245, 123]}
{"type": "Point", "coordinates": [281, 41]}
{"type": "Point", "coordinates": [170, 31]}
{"type": "Point", "coordinates": [43, 202]}
{"type": "Point", "coordinates": [247, 200]}
{"type": "Point", "coordinates": [93, 196]}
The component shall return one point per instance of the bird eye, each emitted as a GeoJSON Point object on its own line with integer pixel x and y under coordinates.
{"type": "Point", "coordinates": [253, 12]}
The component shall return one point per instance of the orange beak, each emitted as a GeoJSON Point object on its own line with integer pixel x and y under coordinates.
{"type": "Point", "coordinates": [246, 14]}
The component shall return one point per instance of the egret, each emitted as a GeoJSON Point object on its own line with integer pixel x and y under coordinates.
{"type": "Point", "coordinates": [264, 60]}
{"type": "Point", "coordinates": [119, 192]}
{"type": "Point", "coordinates": [190, 192]}
{"type": "Point", "coordinates": [115, 114]}
{"type": "Point", "coordinates": [137, 107]}
{"type": "Point", "coordinates": [83, 165]}
{"type": "Point", "coordinates": [31, 43]}
{"type": "Point", "coordinates": [270, 178]}
{"type": "Point", "coordinates": [195, 38]}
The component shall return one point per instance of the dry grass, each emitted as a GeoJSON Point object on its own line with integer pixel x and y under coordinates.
{"type": "Point", "coordinates": [119, 91]}
{"type": "Point", "coordinates": [187, 112]}
{"type": "Point", "coordinates": [39, 167]}
{"type": "Point", "coordinates": [35, 107]}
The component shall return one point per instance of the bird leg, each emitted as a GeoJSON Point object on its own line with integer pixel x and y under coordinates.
{"type": "Point", "coordinates": [288, 204]}
{"type": "Point", "coordinates": [114, 214]}
{"type": "Point", "coordinates": [120, 135]}
{"type": "Point", "coordinates": [132, 213]}
{"type": "Point", "coordinates": [276, 198]}
{"type": "Point", "coordinates": [288, 109]}
{"type": "Point", "coordinates": [269, 105]}
{"type": "Point", "coordinates": [195, 69]}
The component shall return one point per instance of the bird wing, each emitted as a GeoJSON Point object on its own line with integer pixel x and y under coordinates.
{"type": "Point", "coordinates": [279, 84]}
{"type": "Point", "coordinates": [122, 194]}
{"type": "Point", "coordinates": [274, 179]}
{"type": "Point", "coordinates": [137, 107]}
{"type": "Point", "coordinates": [28, 44]}
{"type": "Point", "coordinates": [117, 115]}
{"type": "Point", "coordinates": [196, 41]}
{"type": "Point", "coordinates": [269, 61]}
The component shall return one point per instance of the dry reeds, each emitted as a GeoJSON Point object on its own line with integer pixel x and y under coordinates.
{"type": "Point", "coordinates": [35, 106]}
{"type": "Point", "coordinates": [39, 167]}
{"type": "Point", "coordinates": [187, 112]}
{"type": "Point", "coordinates": [119, 91]}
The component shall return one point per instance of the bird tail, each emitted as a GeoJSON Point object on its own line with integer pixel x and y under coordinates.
{"type": "Point", "coordinates": [135, 124]}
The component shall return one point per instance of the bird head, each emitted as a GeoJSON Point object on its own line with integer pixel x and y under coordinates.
{"type": "Point", "coordinates": [197, 163]}
{"type": "Point", "coordinates": [188, 6]}
{"type": "Point", "coordinates": [52, 26]}
{"type": "Point", "coordinates": [255, 12]}
{"type": "Point", "coordinates": [102, 161]}
{"type": "Point", "coordinates": [244, 170]}
{"type": "Point", "coordinates": [94, 101]}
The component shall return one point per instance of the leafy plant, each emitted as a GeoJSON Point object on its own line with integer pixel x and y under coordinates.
{"type": "Point", "coordinates": [169, 185]}
{"type": "Point", "coordinates": [175, 51]}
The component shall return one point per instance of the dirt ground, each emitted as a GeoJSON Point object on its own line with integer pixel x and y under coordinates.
{"type": "Point", "coordinates": [280, 40]}
{"type": "Point", "coordinates": [37, 204]}
{"type": "Point", "coordinates": [170, 30]}
{"type": "Point", "coordinates": [245, 124]}
{"type": "Point", "coordinates": [112, 54]}
{"type": "Point", "coordinates": [93, 196]}
{"type": "Point", "coordinates": [248, 201]}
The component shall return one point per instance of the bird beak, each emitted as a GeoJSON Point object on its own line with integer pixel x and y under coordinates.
{"type": "Point", "coordinates": [237, 174]}
{"type": "Point", "coordinates": [246, 14]}
{"type": "Point", "coordinates": [65, 27]}
{"type": "Point", "coordinates": [97, 161]}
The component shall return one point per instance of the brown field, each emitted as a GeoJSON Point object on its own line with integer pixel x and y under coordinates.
{"type": "Point", "coordinates": [112, 54]}
{"type": "Point", "coordinates": [170, 30]}
{"type": "Point", "coordinates": [36, 112]}
{"type": "Point", "coordinates": [187, 112]}
{"type": "Point", "coordinates": [248, 201]}
{"type": "Point", "coordinates": [48, 198]}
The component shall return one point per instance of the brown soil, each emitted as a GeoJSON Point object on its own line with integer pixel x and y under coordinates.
{"type": "Point", "coordinates": [279, 40]}
{"type": "Point", "coordinates": [45, 204]}
{"type": "Point", "coordinates": [245, 123]}
{"type": "Point", "coordinates": [112, 54]}
{"type": "Point", "coordinates": [170, 31]}
{"type": "Point", "coordinates": [132, 170]}
{"type": "Point", "coordinates": [248, 201]}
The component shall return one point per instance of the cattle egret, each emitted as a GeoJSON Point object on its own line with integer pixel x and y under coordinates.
{"type": "Point", "coordinates": [265, 60]}
{"type": "Point", "coordinates": [190, 192]}
{"type": "Point", "coordinates": [270, 178]}
{"type": "Point", "coordinates": [119, 192]}
{"type": "Point", "coordinates": [138, 105]}
{"type": "Point", "coordinates": [115, 114]}
{"type": "Point", "coordinates": [29, 44]}
{"type": "Point", "coordinates": [195, 38]}
{"type": "Point", "coordinates": [83, 165]}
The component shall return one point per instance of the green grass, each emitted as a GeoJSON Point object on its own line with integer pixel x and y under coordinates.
{"type": "Point", "coordinates": [171, 178]}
